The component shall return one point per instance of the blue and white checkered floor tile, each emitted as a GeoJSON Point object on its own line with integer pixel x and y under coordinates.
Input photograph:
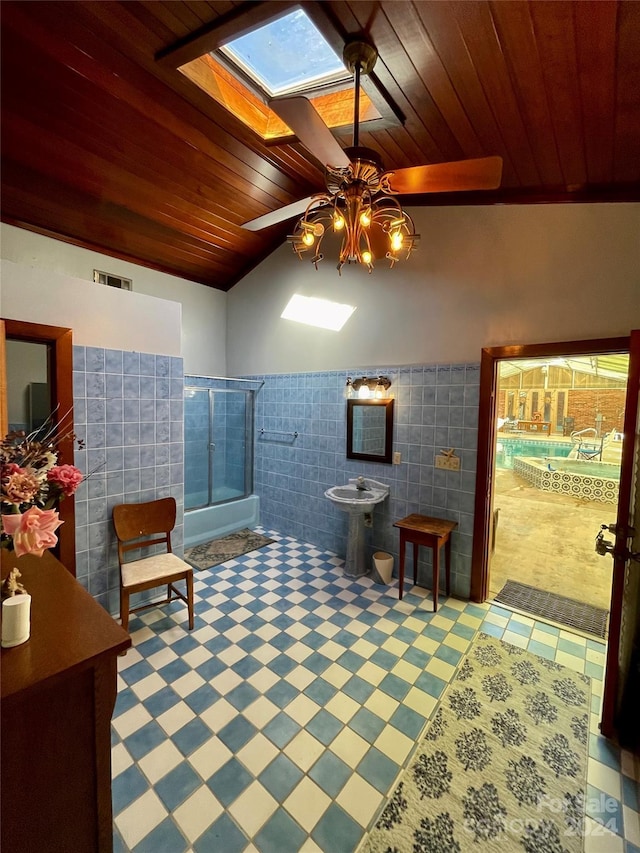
{"type": "Point", "coordinates": [281, 722]}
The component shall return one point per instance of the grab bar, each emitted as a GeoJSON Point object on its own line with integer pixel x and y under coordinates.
{"type": "Point", "coordinates": [278, 432]}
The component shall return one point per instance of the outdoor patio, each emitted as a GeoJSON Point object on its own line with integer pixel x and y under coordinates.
{"type": "Point", "coordinates": [547, 540]}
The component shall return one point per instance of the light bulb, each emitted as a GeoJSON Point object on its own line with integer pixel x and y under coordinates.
{"type": "Point", "coordinates": [338, 222]}
{"type": "Point", "coordinates": [364, 393]}
{"type": "Point", "coordinates": [365, 218]}
{"type": "Point", "coordinates": [308, 239]}
{"type": "Point", "coordinates": [396, 239]}
{"type": "Point", "coordinates": [367, 257]}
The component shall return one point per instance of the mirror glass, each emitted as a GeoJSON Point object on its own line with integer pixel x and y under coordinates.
{"type": "Point", "coordinates": [370, 430]}
{"type": "Point", "coordinates": [28, 386]}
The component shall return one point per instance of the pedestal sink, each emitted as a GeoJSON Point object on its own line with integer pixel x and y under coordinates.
{"type": "Point", "coordinates": [357, 498]}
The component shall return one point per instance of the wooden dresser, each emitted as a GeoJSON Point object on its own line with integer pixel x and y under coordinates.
{"type": "Point", "coordinates": [58, 693]}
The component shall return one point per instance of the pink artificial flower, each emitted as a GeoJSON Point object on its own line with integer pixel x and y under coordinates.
{"type": "Point", "coordinates": [32, 531]}
{"type": "Point", "coordinates": [10, 468]}
{"type": "Point", "coordinates": [20, 487]}
{"type": "Point", "coordinates": [67, 477]}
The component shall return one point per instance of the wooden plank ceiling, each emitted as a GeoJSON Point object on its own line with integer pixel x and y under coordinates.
{"type": "Point", "coordinates": [105, 147]}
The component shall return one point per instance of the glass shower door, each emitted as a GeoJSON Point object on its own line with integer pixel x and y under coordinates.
{"type": "Point", "coordinates": [218, 445]}
{"type": "Point", "coordinates": [197, 440]}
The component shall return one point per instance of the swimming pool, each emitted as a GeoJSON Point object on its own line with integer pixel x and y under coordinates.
{"type": "Point", "coordinates": [509, 448]}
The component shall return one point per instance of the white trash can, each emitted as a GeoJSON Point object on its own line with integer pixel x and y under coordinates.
{"type": "Point", "coordinates": [382, 567]}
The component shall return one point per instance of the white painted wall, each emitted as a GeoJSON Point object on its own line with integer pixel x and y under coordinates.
{"type": "Point", "coordinates": [48, 281]}
{"type": "Point", "coordinates": [482, 276]}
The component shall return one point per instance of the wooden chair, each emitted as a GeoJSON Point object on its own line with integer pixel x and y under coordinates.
{"type": "Point", "coordinates": [140, 526]}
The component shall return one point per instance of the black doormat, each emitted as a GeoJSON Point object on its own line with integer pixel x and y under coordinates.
{"type": "Point", "coordinates": [557, 608]}
{"type": "Point", "coordinates": [218, 551]}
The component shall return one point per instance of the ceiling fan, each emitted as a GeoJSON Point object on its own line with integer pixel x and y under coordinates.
{"type": "Point", "coordinates": [359, 192]}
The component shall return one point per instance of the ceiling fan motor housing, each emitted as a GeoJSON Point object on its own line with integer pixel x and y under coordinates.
{"type": "Point", "coordinates": [360, 54]}
{"type": "Point", "coordinates": [366, 166]}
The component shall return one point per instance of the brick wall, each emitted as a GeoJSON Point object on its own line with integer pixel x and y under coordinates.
{"type": "Point", "coordinates": [583, 405]}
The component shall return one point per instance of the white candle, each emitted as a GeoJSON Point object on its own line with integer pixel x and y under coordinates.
{"type": "Point", "coordinates": [16, 620]}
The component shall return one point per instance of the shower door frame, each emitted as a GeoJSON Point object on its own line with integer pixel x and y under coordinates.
{"type": "Point", "coordinates": [249, 395]}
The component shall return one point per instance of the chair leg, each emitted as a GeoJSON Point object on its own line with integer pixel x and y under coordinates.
{"type": "Point", "coordinates": [190, 599]}
{"type": "Point", "coordinates": [124, 609]}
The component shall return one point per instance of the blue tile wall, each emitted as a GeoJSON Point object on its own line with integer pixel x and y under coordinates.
{"type": "Point", "coordinates": [436, 407]}
{"type": "Point", "coordinates": [128, 410]}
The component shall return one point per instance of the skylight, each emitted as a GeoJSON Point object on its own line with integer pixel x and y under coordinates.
{"type": "Point", "coordinates": [286, 55]}
{"type": "Point", "coordinates": [317, 312]}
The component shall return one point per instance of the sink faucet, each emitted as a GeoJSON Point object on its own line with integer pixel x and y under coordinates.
{"type": "Point", "coordinates": [361, 485]}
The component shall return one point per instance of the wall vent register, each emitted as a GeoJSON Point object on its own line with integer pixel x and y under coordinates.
{"type": "Point", "coordinates": [112, 280]}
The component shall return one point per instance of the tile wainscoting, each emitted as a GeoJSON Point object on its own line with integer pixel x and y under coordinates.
{"type": "Point", "coordinates": [436, 407]}
{"type": "Point", "coordinates": [128, 410]}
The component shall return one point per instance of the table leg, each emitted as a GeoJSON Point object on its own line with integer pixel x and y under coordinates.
{"type": "Point", "coordinates": [447, 557]}
{"type": "Point", "coordinates": [415, 563]}
{"type": "Point", "coordinates": [401, 566]}
{"type": "Point", "coordinates": [436, 575]}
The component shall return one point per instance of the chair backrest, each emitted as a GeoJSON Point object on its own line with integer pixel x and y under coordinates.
{"type": "Point", "coordinates": [144, 524]}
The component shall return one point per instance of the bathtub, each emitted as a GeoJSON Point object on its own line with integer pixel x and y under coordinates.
{"type": "Point", "coordinates": [212, 522]}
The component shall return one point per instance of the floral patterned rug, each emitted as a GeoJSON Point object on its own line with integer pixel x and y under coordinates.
{"type": "Point", "coordinates": [218, 551]}
{"type": "Point", "coordinates": [502, 765]}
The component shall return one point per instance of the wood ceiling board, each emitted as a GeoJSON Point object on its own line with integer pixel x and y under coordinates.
{"type": "Point", "coordinates": [516, 37]}
{"type": "Point", "coordinates": [555, 35]}
{"type": "Point", "coordinates": [195, 127]}
{"type": "Point", "coordinates": [436, 82]}
{"type": "Point", "coordinates": [627, 126]}
{"type": "Point", "coordinates": [115, 230]}
{"type": "Point", "coordinates": [152, 101]}
{"type": "Point", "coordinates": [447, 40]}
{"type": "Point", "coordinates": [478, 32]}
{"type": "Point", "coordinates": [54, 157]}
{"type": "Point", "coordinates": [596, 35]}
{"type": "Point", "coordinates": [435, 140]}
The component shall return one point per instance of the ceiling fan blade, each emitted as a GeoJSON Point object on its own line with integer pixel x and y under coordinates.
{"type": "Point", "coordinates": [304, 120]}
{"type": "Point", "coordinates": [297, 208]}
{"type": "Point", "coordinates": [483, 173]}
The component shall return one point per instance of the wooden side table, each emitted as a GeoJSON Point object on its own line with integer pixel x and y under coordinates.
{"type": "Point", "coordinates": [434, 533]}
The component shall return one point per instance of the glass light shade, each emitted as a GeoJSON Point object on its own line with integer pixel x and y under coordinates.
{"type": "Point", "coordinates": [396, 240]}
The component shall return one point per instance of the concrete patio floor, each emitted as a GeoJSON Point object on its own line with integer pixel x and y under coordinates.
{"type": "Point", "coordinates": [547, 540]}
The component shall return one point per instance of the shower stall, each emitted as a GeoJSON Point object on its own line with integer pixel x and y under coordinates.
{"type": "Point", "coordinates": [218, 459]}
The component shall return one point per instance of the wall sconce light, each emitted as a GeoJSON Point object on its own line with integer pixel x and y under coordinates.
{"type": "Point", "coordinates": [365, 387]}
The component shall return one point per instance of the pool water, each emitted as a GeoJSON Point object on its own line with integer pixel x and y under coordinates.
{"type": "Point", "coordinates": [507, 448]}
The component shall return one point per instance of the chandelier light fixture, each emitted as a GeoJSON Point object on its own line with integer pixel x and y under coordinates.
{"type": "Point", "coordinates": [359, 205]}
{"type": "Point", "coordinates": [359, 211]}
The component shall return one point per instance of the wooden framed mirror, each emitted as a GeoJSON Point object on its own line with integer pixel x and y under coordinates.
{"type": "Point", "coordinates": [370, 430]}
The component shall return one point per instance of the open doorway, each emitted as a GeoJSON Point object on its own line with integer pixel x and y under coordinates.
{"type": "Point", "coordinates": [557, 453]}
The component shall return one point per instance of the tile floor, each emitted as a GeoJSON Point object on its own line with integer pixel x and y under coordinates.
{"type": "Point", "coordinates": [281, 722]}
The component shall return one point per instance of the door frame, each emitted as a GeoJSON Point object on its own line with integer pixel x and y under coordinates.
{"type": "Point", "coordinates": [626, 509]}
{"type": "Point", "coordinates": [487, 433]}
{"type": "Point", "coordinates": [60, 342]}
